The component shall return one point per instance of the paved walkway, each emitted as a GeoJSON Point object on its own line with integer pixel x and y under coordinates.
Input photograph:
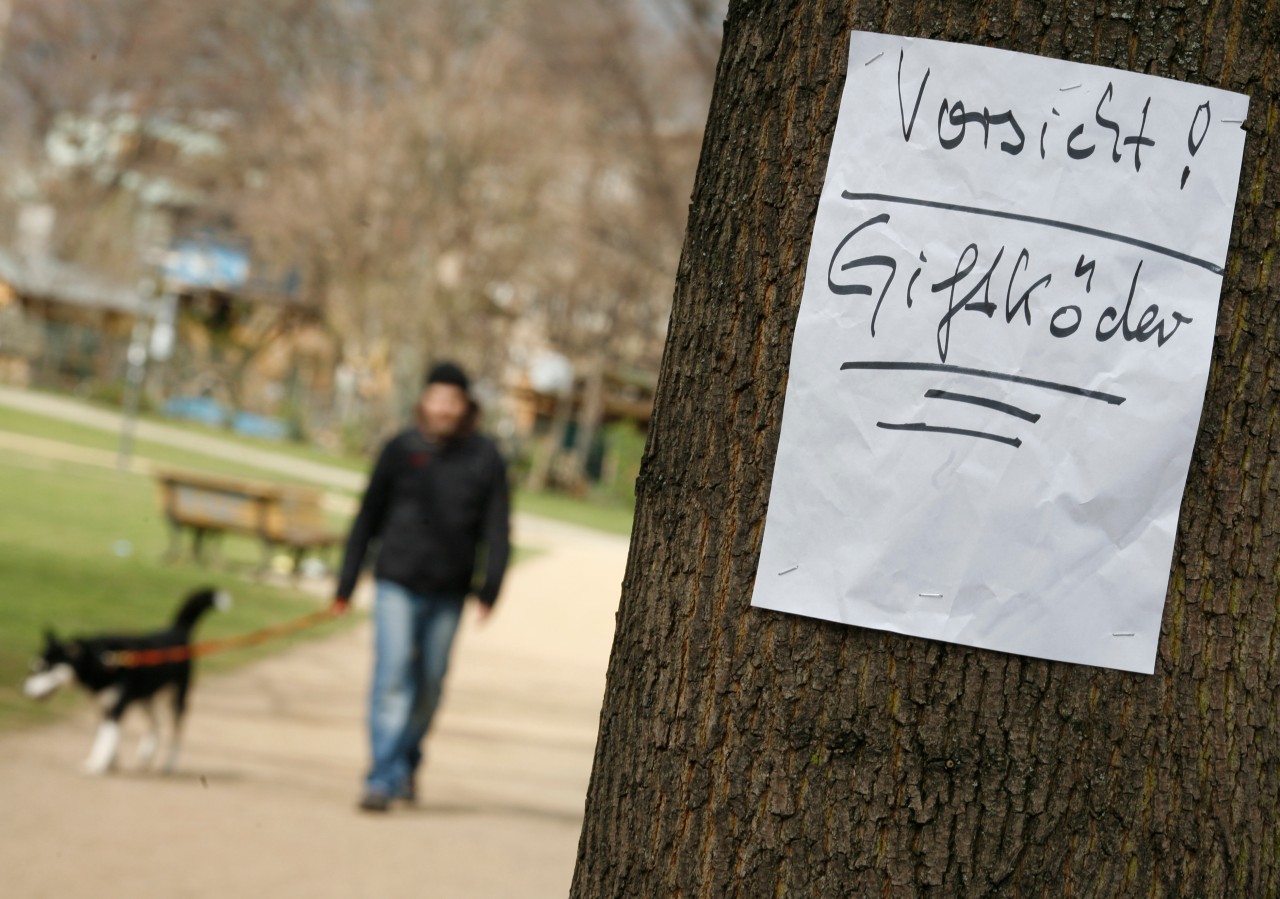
{"type": "Point", "coordinates": [263, 803]}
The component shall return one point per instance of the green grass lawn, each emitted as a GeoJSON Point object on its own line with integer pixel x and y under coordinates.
{"type": "Point", "coordinates": [281, 447]}
{"type": "Point", "coordinates": [33, 425]}
{"type": "Point", "coordinates": [290, 448]}
{"type": "Point", "coordinates": [81, 551]}
{"type": "Point", "coordinates": [613, 518]}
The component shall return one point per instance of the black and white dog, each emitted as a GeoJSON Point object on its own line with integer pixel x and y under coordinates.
{"type": "Point", "coordinates": [89, 661]}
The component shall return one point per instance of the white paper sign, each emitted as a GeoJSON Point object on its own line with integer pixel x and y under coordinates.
{"type": "Point", "coordinates": [1001, 351]}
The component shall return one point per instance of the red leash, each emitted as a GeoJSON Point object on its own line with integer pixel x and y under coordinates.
{"type": "Point", "coordinates": [145, 658]}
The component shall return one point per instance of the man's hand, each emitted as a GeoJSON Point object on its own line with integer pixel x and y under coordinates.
{"type": "Point", "coordinates": [341, 604]}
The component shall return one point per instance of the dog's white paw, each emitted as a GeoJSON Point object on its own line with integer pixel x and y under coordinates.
{"type": "Point", "coordinates": [102, 757]}
{"type": "Point", "coordinates": [95, 768]}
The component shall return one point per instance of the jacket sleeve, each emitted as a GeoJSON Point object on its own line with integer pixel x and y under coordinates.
{"type": "Point", "coordinates": [369, 520]}
{"type": "Point", "coordinates": [497, 532]}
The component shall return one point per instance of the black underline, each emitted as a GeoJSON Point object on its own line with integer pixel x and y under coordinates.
{"type": "Point", "coordinates": [979, 373]}
{"type": "Point", "coordinates": [921, 426]}
{"type": "Point", "coordinates": [1035, 220]}
{"type": "Point", "coordinates": [998, 406]}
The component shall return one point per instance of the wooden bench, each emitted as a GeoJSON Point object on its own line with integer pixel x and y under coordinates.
{"type": "Point", "coordinates": [278, 515]}
{"type": "Point", "coordinates": [299, 523]}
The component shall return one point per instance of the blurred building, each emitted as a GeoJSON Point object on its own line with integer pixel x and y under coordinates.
{"type": "Point", "coordinates": [61, 326]}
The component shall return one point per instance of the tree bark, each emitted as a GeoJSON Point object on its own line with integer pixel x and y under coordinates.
{"type": "Point", "coordinates": [747, 753]}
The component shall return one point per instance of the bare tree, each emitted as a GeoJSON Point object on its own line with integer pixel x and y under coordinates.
{"type": "Point", "coordinates": [619, 208]}
{"type": "Point", "coordinates": [432, 170]}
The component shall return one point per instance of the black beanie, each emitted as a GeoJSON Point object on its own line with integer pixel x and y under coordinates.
{"type": "Point", "coordinates": [448, 373]}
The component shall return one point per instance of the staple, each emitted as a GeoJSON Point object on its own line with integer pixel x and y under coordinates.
{"type": "Point", "coordinates": [788, 570]}
{"type": "Point", "coordinates": [1232, 121]}
{"type": "Point", "coordinates": [933, 595]}
{"type": "Point", "coordinates": [1071, 88]}
{"type": "Point", "coordinates": [874, 58]}
{"type": "Point", "coordinates": [1129, 634]}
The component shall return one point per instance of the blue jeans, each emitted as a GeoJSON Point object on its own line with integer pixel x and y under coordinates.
{"type": "Point", "coordinates": [413, 634]}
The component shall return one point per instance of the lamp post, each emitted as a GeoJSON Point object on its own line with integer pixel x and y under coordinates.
{"type": "Point", "coordinates": [135, 371]}
{"type": "Point", "coordinates": [152, 338]}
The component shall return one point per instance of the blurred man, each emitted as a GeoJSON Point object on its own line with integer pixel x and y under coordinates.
{"type": "Point", "coordinates": [437, 498]}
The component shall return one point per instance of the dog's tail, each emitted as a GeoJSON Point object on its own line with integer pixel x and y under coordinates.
{"type": "Point", "coordinates": [197, 604]}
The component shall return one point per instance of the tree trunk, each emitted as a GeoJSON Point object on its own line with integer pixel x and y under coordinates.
{"type": "Point", "coordinates": [550, 445]}
{"type": "Point", "coordinates": [747, 753]}
{"type": "Point", "coordinates": [590, 416]}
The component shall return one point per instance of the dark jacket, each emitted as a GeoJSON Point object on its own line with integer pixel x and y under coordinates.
{"type": "Point", "coordinates": [432, 507]}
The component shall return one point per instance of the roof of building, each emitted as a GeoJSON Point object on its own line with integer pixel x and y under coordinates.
{"type": "Point", "coordinates": [53, 279]}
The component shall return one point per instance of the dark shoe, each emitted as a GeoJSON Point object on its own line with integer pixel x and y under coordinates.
{"type": "Point", "coordinates": [373, 801]}
{"type": "Point", "coordinates": [408, 793]}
